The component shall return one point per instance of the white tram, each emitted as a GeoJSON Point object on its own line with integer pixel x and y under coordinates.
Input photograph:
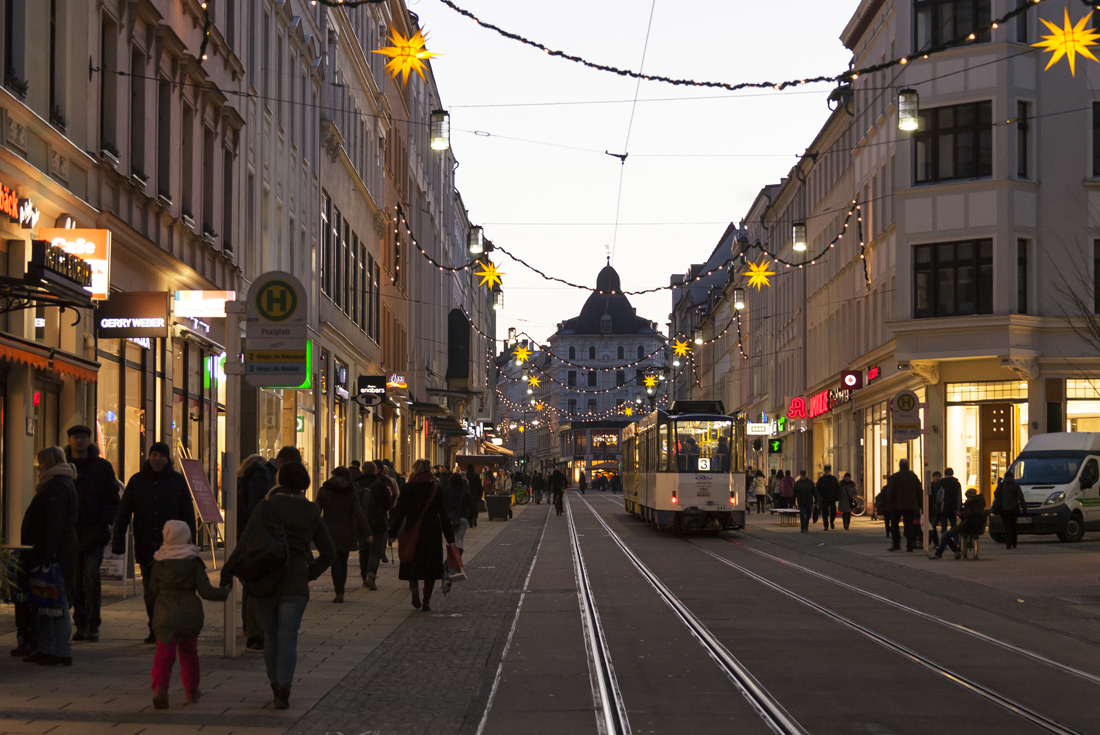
{"type": "Point", "coordinates": [677, 469]}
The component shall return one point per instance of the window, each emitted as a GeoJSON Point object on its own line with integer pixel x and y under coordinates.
{"type": "Point", "coordinates": [954, 142]}
{"type": "Point", "coordinates": [137, 113]}
{"type": "Point", "coordinates": [187, 160]}
{"type": "Point", "coordinates": [347, 265]}
{"type": "Point", "coordinates": [571, 378]}
{"type": "Point", "coordinates": [1096, 139]}
{"type": "Point", "coordinates": [1096, 276]}
{"type": "Point", "coordinates": [354, 270]}
{"type": "Point", "coordinates": [339, 259]}
{"type": "Point", "coordinates": [953, 278]}
{"type": "Point", "coordinates": [639, 377]}
{"type": "Point", "coordinates": [591, 405]}
{"type": "Point", "coordinates": [1022, 128]}
{"type": "Point", "coordinates": [165, 144]}
{"type": "Point", "coordinates": [592, 353]}
{"type": "Point", "coordinates": [641, 352]}
{"type": "Point", "coordinates": [941, 21]}
{"type": "Point", "coordinates": [108, 77]}
{"type": "Point", "coordinates": [572, 403]}
{"type": "Point", "coordinates": [1021, 276]}
{"type": "Point", "coordinates": [326, 237]}
{"type": "Point", "coordinates": [377, 298]}
{"type": "Point", "coordinates": [364, 286]}
{"type": "Point", "coordinates": [572, 353]}
{"type": "Point", "coordinates": [1021, 23]}
{"type": "Point", "coordinates": [592, 378]}
{"type": "Point", "coordinates": [622, 353]}
{"type": "Point", "coordinates": [620, 377]}
{"type": "Point", "coordinates": [368, 294]}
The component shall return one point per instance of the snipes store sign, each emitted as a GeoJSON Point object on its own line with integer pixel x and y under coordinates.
{"type": "Point", "coordinates": [91, 246]}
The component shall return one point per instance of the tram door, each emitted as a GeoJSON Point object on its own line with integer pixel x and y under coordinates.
{"type": "Point", "coordinates": [996, 445]}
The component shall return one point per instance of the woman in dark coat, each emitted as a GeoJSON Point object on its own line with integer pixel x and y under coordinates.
{"type": "Point", "coordinates": [49, 527]}
{"type": "Point", "coordinates": [421, 554]}
{"type": "Point", "coordinates": [346, 521]}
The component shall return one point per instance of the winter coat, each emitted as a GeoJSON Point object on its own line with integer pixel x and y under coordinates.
{"type": "Point", "coordinates": [304, 526]}
{"type": "Point", "coordinates": [476, 488]}
{"type": "Point", "coordinates": [49, 525]}
{"type": "Point", "coordinates": [153, 499]}
{"type": "Point", "coordinates": [460, 504]}
{"type": "Point", "coordinates": [804, 491]}
{"type": "Point", "coordinates": [376, 500]}
{"type": "Point", "coordinates": [786, 486]}
{"type": "Point", "coordinates": [178, 609]}
{"type": "Point", "coordinates": [949, 496]}
{"type": "Point", "coordinates": [828, 489]}
{"type": "Point", "coordinates": [1009, 497]}
{"type": "Point", "coordinates": [251, 489]}
{"type": "Point", "coordinates": [427, 561]}
{"type": "Point", "coordinates": [97, 491]}
{"type": "Point", "coordinates": [848, 495]}
{"type": "Point", "coordinates": [759, 486]}
{"type": "Point", "coordinates": [908, 493]}
{"type": "Point", "coordinates": [972, 516]}
{"type": "Point", "coordinates": [343, 513]}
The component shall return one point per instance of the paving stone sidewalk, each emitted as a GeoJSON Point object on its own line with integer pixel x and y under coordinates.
{"type": "Point", "coordinates": [347, 665]}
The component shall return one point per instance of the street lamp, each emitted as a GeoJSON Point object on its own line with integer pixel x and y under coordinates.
{"type": "Point", "coordinates": [475, 241]}
{"type": "Point", "coordinates": [441, 130]}
{"type": "Point", "coordinates": [739, 299]}
{"type": "Point", "coordinates": [799, 237]}
{"type": "Point", "coordinates": [908, 110]}
{"type": "Point", "coordinates": [698, 336]}
{"type": "Point", "coordinates": [498, 299]}
{"type": "Point", "coordinates": [511, 336]}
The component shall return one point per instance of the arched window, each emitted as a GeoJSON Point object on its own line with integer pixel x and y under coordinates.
{"type": "Point", "coordinates": [641, 352]}
{"type": "Point", "coordinates": [622, 352]}
{"type": "Point", "coordinates": [592, 352]}
{"type": "Point", "coordinates": [572, 353]}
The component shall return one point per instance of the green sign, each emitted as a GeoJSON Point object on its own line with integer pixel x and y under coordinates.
{"type": "Point", "coordinates": [775, 446]}
{"type": "Point", "coordinates": [299, 424]}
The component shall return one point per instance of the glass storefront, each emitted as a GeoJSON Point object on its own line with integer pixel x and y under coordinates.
{"type": "Point", "coordinates": [121, 405]}
{"type": "Point", "coordinates": [269, 410]}
{"type": "Point", "coordinates": [986, 427]}
{"type": "Point", "coordinates": [881, 455]}
{"type": "Point", "coordinates": [1082, 405]}
{"type": "Point", "coordinates": [305, 426]}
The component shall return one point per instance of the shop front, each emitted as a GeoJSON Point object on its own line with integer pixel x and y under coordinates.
{"type": "Point", "coordinates": [986, 427]}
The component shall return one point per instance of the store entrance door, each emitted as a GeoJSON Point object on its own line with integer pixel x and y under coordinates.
{"type": "Point", "coordinates": [996, 445]}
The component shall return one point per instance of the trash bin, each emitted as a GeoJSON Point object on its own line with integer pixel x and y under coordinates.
{"type": "Point", "coordinates": [499, 506]}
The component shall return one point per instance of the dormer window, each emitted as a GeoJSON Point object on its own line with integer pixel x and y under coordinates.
{"type": "Point", "coordinates": [605, 324]}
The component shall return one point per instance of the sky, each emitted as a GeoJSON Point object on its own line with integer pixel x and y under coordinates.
{"type": "Point", "coordinates": [531, 132]}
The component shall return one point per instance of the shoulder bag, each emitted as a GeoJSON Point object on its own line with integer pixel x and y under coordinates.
{"type": "Point", "coordinates": [406, 542]}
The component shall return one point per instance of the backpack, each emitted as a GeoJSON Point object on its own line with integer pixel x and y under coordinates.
{"type": "Point", "coordinates": [265, 553]}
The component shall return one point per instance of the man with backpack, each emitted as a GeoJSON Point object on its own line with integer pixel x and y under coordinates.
{"type": "Point", "coordinates": [376, 495]}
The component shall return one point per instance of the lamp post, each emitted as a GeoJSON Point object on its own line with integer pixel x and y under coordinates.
{"type": "Point", "coordinates": [440, 130]}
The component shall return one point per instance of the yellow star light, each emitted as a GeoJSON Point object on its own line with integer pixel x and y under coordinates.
{"type": "Point", "coordinates": [406, 55]}
{"type": "Point", "coordinates": [680, 349]}
{"type": "Point", "coordinates": [489, 274]}
{"type": "Point", "coordinates": [758, 275]}
{"type": "Point", "coordinates": [650, 381]}
{"type": "Point", "coordinates": [522, 354]}
{"type": "Point", "coordinates": [629, 410]}
{"type": "Point", "coordinates": [539, 406]}
{"type": "Point", "coordinates": [534, 381]}
{"type": "Point", "coordinates": [1069, 41]}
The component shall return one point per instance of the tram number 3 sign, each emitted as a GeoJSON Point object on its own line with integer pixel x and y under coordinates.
{"type": "Point", "coordinates": [905, 416]}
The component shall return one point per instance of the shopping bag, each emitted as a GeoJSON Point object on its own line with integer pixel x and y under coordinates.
{"type": "Point", "coordinates": [47, 591]}
{"type": "Point", "coordinates": [456, 572]}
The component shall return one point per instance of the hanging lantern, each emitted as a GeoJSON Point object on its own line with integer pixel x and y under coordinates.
{"type": "Point", "coordinates": [908, 110]}
{"type": "Point", "coordinates": [498, 299]}
{"type": "Point", "coordinates": [698, 336]}
{"type": "Point", "coordinates": [799, 237]}
{"type": "Point", "coordinates": [675, 362]}
{"type": "Point", "coordinates": [475, 241]}
{"type": "Point", "coordinates": [511, 336]}
{"type": "Point", "coordinates": [530, 390]}
{"type": "Point", "coordinates": [441, 130]}
{"type": "Point", "coordinates": [739, 298]}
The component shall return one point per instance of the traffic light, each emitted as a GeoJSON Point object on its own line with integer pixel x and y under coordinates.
{"type": "Point", "coordinates": [775, 446]}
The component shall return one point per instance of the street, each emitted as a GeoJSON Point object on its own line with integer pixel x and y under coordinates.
{"type": "Point", "coordinates": [594, 622]}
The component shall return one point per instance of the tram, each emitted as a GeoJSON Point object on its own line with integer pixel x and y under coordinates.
{"type": "Point", "coordinates": [677, 469]}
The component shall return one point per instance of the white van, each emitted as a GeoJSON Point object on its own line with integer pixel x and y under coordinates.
{"type": "Point", "coordinates": [1060, 476]}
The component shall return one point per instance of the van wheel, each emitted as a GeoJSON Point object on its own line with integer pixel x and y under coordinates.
{"type": "Point", "coordinates": [998, 538]}
{"type": "Point", "coordinates": [1074, 531]}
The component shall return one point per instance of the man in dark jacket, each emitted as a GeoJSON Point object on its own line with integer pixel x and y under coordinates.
{"type": "Point", "coordinates": [905, 501]}
{"type": "Point", "coordinates": [155, 495]}
{"type": "Point", "coordinates": [376, 499]}
{"type": "Point", "coordinates": [476, 490]}
{"type": "Point", "coordinates": [947, 501]}
{"type": "Point", "coordinates": [1009, 503]}
{"type": "Point", "coordinates": [971, 523]}
{"type": "Point", "coordinates": [828, 493]}
{"type": "Point", "coordinates": [97, 491]}
{"type": "Point", "coordinates": [804, 494]}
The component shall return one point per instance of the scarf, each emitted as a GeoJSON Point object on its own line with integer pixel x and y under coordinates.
{"type": "Point", "coordinates": [177, 543]}
{"type": "Point", "coordinates": [61, 469]}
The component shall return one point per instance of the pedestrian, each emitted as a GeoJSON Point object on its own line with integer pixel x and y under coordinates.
{"type": "Point", "coordinates": [583, 483]}
{"type": "Point", "coordinates": [178, 581]}
{"type": "Point", "coordinates": [616, 484]}
{"type": "Point", "coordinates": [804, 494]}
{"type": "Point", "coordinates": [933, 493]}
{"type": "Point", "coordinates": [971, 523]}
{"type": "Point", "coordinates": [502, 485]}
{"type": "Point", "coordinates": [557, 490]}
{"type": "Point", "coordinates": [346, 522]}
{"type": "Point", "coordinates": [883, 506]}
{"type": "Point", "coordinates": [905, 502]}
{"type": "Point", "coordinates": [49, 528]}
{"type": "Point", "coordinates": [948, 503]}
{"type": "Point", "coordinates": [155, 495]}
{"type": "Point", "coordinates": [255, 477]}
{"type": "Point", "coordinates": [355, 470]}
{"type": "Point", "coordinates": [847, 499]}
{"type": "Point", "coordinates": [376, 497]}
{"type": "Point", "coordinates": [460, 507]}
{"type": "Point", "coordinates": [773, 487]}
{"type": "Point", "coordinates": [760, 490]}
{"type": "Point", "coordinates": [477, 490]}
{"type": "Point", "coordinates": [97, 492]}
{"type": "Point", "coordinates": [281, 599]}
{"type": "Point", "coordinates": [828, 493]}
{"type": "Point", "coordinates": [786, 490]}
{"type": "Point", "coordinates": [394, 475]}
{"type": "Point", "coordinates": [422, 513]}
{"type": "Point", "coordinates": [1009, 503]}
{"type": "Point", "coordinates": [538, 484]}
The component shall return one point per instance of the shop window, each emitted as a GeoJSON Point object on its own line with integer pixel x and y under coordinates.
{"type": "Point", "coordinates": [954, 142]}
{"type": "Point", "coordinates": [580, 442]}
{"type": "Point", "coordinates": [1082, 405]}
{"type": "Point", "coordinates": [953, 279]}
{"type": "Point", "coordinates": [993, 390]}
{"type": "Point", "coordinates": [605, 442]}
{"type": "Point", "coordinates": [108, 434]}
{"type": "Point", "coordinates": [942, 21]}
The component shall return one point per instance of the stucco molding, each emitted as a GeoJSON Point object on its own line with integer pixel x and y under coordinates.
{"type": "Point", "coordinates": [929, 372]}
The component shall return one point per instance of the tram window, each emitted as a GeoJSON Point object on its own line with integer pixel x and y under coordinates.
{"type": "Point", "coordinates": [662, 457]}
{"type": "Point", "coordinates": [703, 446]}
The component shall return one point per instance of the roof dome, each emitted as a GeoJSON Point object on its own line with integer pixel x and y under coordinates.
{"type": "Point", "coordinates": [609, 304]}
{"type": "Point", "coordinates": [608, 280]}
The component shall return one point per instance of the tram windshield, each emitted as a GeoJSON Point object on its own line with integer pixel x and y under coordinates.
{"type": "Point", "coordinates": [703, 446]}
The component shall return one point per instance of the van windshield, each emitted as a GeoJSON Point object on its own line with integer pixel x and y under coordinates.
{"type": "Point", "coordinates": [1045, 470]}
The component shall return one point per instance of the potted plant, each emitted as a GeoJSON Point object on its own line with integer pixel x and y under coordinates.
{"type": "Point", "coordinates": [9, 573]}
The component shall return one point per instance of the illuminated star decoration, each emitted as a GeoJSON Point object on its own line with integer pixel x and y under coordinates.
{"type": "Point", "coordinates": [521, 354]}
{"type": "Point", "coordinates": [650, 381]}
{"type": "Point", "coordinates": [680, 349]}
{"type": "Point", "coordinates": [758, 275]}
{"type": "Point", "coordinates": [406, 55]}
{"type": "Point", "coordinates": [1069, 41]}
{"type": "Point", "coordinates": [489, 274]}
{"type": "Point", "coordinates": [534, 381]}
{"type": "Point", "coordinates": [629, 410]}
{"type": "Point", "coordinates": [539, 406]}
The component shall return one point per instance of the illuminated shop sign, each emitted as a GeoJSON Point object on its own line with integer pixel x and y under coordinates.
{"type": "Point", "coordinates": [797, 409]}
{"type": "Point", "coordinates": [827, 400]}
{"type": "Point", "coordinates": [20, 211]}
{"type": "Point", "coordinates": [397, 382]}
{"type": "Point", "coordinates": [133, 314]}
{"type": "Point", "coordinates": [201, 304]}
{"type": "Point", "coordinates": [91, 246]}
{"type": "Point", "coordinates": [53, 265]}
{"type": "Point", "coordinates": [873, 372]}
{"type": "Point", "coordinates": [757, 429]}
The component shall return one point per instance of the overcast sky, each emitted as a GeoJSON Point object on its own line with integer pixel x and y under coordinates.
{"type": "Point", "coordinates": [697, 157]}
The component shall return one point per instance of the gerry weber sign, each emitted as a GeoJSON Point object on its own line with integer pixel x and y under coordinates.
{"type": "Point", "coordinates": [127, 315]}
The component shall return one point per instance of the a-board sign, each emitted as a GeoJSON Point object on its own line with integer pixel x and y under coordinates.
{"type": "Point", "coordinates": [205, 503]}
{"type": "Point", "coordinates": [113, 566]}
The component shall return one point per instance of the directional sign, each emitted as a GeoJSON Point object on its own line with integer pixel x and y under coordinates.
{"type": "Point", "coordinates": [905, 416]}
{"type": "Point", "coordinates": [276, 353]}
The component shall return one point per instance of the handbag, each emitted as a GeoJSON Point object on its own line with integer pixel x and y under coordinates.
{"type": "Point", "coordinates": [47, 591]}
{"type": "Point", "coordinates": [266, 551]}
{"type": "Point", "coordinates": [406, 542]}
{"type": "Point", "coordinates": [456, 572]}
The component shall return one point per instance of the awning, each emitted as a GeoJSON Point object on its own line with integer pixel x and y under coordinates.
{"type": "Point", "coordinates": [14, 349]}
{"type": "Point", "coordinates": [14, 353]}
{"type": "Point", "coordinates": [491, 448]}
{"type": "Point", "coordinates": [76, 367]}
{"type": "Point", "coordinates": [430, 409]}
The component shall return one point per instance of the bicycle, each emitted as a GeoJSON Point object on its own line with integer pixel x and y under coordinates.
{"type": "Point", "coordinates": [859, 505]}
{"type": "Point", "coordinates": [521, 496]}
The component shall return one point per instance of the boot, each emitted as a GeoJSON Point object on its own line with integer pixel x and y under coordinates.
{"type": "Point", "coordinates": [193, 697]}
{"type": "Point", "coordinates": [416, 598]}
{"type": "Point", "coordinates": [369, 582]}
{"type": "Point", "coordinates": [282, 696]}
{"type": "Point", "coordinates": [160, 698]}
